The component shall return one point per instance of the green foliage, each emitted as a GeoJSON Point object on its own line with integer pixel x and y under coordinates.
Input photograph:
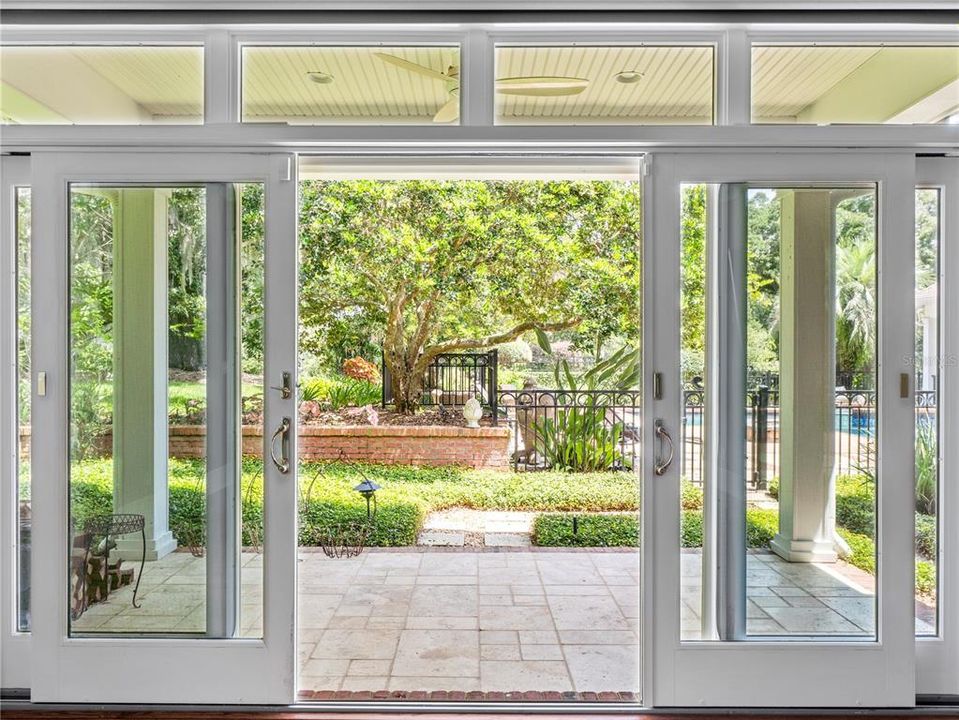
{"type": "Point", "coordinates": [354, 393]}
{"type": "Point", "coordinates": [691, 529]}
{"type": "Point", "coordinates": [23, 205]}
{"type": "Point", "coordinates": [772, 487]}
{"type": "Point", "coordinates": [762, 524]}
{"type": "Point", "coordinates": [337, 393]}
{"type": "Point", "coordinates": [578, 439]}
{"type": "Point", "coordinates": [587, 437]}
{"type": "Point", "coordinates": [863, 550]}
{"type": "Point", "coordinates": [926, 536]}
{"type": "Point", "coordinates": [925, 577]}
{"type": "Point", "coordinates": [927, 468]}
{"type": "Point", "coordinates": [856, 318]}
{"type": "Point", "coordinates": [430, 266]}
{"type": "Point", "coordinates": [328, 498]}
{"type": "Point", "coordinates": [315, 389]}
{"type": "Point", "coordinates": [251, 277]}
{"type": "Point", "coordinates": [517, 352]}
{"type": "Point", "coordinates": [856, 504]}
{"type": "Point", "coordinates": [556, 530]}
{"type": "Point", "coordinates": [693, 276]}
{"type": "Point", "coordinates": [691, 496]}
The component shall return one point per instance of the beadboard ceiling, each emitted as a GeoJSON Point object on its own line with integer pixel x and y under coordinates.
{"type": "Point", "coordinates": [135, 83]}
{"type": "Point", "coordinates": [788, 79]}
{"type": "Point", "coordinates": [676, 84]}
{"type": "Point", "coordinates": [143, 84]}
{"type": "Point", "coordinates": [277, 86]}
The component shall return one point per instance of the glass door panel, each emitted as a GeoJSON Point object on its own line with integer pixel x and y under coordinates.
{"type": "Point", "coordinates": [143, 507]}
{"type": "Point", "coordinates": [773, 551]}
{"type": "Point", "coordinates": [16, 524]}
{"type": "Point", "coordinates": [173, 526]}
{"type": "Point", "coordinates": [937, 400]}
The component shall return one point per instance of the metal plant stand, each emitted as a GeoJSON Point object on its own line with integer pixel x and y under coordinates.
{"type": "Point", "coordinates": [119, 524]}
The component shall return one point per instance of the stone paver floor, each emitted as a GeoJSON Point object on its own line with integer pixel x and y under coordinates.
{"type": "Point", "coordinates": [467, 620]}
{"type": "Point", "coordinates": [460, 527]}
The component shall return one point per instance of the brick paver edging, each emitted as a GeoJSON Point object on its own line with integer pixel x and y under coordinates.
{"type": "Point", "coordinates": [437, 549]}
{"type": "Point", "coordinates": [464, 696]}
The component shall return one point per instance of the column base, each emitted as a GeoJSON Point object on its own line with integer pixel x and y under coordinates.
{"type": "Point", "coordinates": [808, 551]}
{"type": "Point", "coordinates": [130, 548]}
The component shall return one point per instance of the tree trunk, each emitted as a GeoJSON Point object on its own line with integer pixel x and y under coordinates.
{"type": "Point", "coordinates": [407, 374]}
{"type": "Point", "coordinates": [407, 389]}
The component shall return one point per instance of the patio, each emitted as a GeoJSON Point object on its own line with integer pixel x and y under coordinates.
{"type": "Point", "coordinates": [462, 620]}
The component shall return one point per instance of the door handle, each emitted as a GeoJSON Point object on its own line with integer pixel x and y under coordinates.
{"type": "Point", "coordinates": [283, 432]}
{"type": "Point", "coordinates": [663, 435]}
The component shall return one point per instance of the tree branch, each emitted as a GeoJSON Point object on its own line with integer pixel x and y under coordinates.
{"type": "Point", "coordinates": [497, 338]}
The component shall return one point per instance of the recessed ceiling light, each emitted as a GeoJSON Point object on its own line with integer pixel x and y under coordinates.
{"type": "Point", "coordinates": [628, 77]}
{"type": "Point", "coordinates": [320, 78]}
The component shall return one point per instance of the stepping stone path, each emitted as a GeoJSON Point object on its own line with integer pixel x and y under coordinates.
{"type": "Point", "coordinates": [476, 528]}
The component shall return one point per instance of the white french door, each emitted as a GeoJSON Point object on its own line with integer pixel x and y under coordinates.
{"type": "Point", "coordinates": [760, 597]}
{"type": "Point", "coordinates": [195, 605]}
{"type": "Point", "coordinates": [937, 182]}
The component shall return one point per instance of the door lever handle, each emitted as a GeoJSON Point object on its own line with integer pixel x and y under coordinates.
{"type": "Point", "coordinates": [662, 465]}
{"type": "Point", "coordinates": [283, 432]}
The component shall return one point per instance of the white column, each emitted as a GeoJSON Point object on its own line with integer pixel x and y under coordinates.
{"type": "Point", "coordinates": [140, 367]}
{"type": "Point", "coordinates": [807, 379]}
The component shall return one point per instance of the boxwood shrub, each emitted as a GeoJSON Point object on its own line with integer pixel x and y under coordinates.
{"type": "Point", "coordinates": [408, 493]}
{"type": "Point", "coordinates": [618, 530]}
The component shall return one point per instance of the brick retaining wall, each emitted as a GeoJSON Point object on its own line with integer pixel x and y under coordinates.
{"type": "Point", "coordinates": [485, 447]}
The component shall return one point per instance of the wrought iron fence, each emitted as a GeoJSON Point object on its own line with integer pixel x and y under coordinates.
{"type": "Point", "coordinates": [855, 432]}
{"type": "Point", "coordinates": [598, 428]}
{"type": "Point", "coordinates": [454, 378]}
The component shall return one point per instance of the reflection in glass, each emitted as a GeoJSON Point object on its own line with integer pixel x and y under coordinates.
{"type": "Point", "coordinates": [811, 426]}
{"type": "Point", "coordinates": [24, 513]}
{"type": "Point", "coordinates": [927, 410]}
{"type": "Point", "coordinates": [141, 520]}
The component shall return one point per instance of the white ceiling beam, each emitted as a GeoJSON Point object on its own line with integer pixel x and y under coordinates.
{"type": "Point", "coordinates": [932, 108]}
{"type": "Point", "coordinates": [446, 139]}
{"type": "Point", "coordinates": [67, 86]}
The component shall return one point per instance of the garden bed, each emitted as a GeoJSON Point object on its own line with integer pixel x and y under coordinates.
{"type": "Point", "coordinates": [605, 503]}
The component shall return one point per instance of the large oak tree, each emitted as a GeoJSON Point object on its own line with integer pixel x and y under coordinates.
{"type": "Point", "coordinates": [448, 266]}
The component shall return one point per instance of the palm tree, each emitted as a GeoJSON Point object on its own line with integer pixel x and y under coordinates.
{"type": "Point", "coordinates": [855, 306]}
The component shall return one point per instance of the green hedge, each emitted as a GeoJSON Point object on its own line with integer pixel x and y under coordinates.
{"type": "Point", "coordinates": [327, 499]}
{"type": "Point", "coordinates": [926, 532]}
{"type": "Point", "coordinates": [556, 529]}
{"type": "Point", "coordinates": [408, 493]}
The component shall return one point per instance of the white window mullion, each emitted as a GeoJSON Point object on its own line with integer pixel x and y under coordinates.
{"type": "Point", "coordinates": [733, 79]}
{"type": "Point", "coordinates": [221, 78]}
{"type": "Point", "coordinates": [477, 79]}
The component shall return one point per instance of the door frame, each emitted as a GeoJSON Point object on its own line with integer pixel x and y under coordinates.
{"type": "Point", "coordinates": [14, 645]}
{"type": "Point", "coordinates": [937, 658]}
{"type": "Point", "coordinates": [877, 673]}
{"type": "Point", "coordinates": [157, 670]}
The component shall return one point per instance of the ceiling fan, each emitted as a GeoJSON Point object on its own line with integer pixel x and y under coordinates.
{"type": "Point", "coordinates": [545, 86]}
